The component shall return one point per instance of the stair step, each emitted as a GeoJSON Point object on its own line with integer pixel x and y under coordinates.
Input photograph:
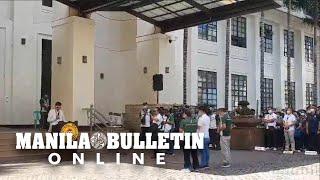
{"type": "Point", "coordinates": [25, 153]}
{"type": "Point", "coordinates": [22, 159]}
{"type": "Point", "coordinates": [7, 146]}
{"type": "Point", "coordinates": [7, 136]}
{"type": "Point", "coordinates": [7, 141]}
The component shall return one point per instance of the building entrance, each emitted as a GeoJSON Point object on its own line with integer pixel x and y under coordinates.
{"type": "Point", "coordinates": [46, 68]}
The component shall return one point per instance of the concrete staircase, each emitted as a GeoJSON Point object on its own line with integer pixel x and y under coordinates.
{"type": "Point", "coordinates": [9, 153]}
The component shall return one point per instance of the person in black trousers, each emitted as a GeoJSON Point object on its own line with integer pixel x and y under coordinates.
{"type": "Point", "coordinates": [270, 121]}
{"type": "Point", "coordinates": [189, 125]}
{"type": "Point", "coordinates": [313, 129]}
{"type": "Point", "coordinates": [145, 118]}
{"type": "Point", "coordinates": [154, 129]}
{"type": "Point", "coordinates": [44, 109]}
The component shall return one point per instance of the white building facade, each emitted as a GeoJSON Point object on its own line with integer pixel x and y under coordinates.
{"type": "Point", "coordinates": [129, 51]}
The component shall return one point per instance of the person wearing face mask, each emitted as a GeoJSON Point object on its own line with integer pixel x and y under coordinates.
{"type": "Point", "coordinates": [154, 129]}
{"type": "Point", "coordinates": [313, 129]}
{"type": "Point", "coordinates": [189, 125]}
{"type": "Point", "coordinates": [289, 121]}
{"type": "Point", "coordinates": [203, 127]}
{"type": "Point", "coordinates": [213, 131]}
{"type": "Point", "coordinates": [300, 131]}
{"type": "Point", "coordinates": [45, 108]}
{"type": "Point", "coordinates": [55, 116]}
{"type": "Point", "coordinates": [225, 127]}
{"type": "Point", "coordinates": [270, 121]}
{"type": "Point", "coordinates": [145, 118]}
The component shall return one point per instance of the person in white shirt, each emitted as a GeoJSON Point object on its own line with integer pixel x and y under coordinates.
{"type": "Point", "coordinates": [270, 120]}
{"type": "Point", "coordinates": [214, 135]}
{"type": "Point", "coordinates": [154, 128]}
{"type": "Point", "coordinates": [203, 127]}
{"type": "Point", "coordinates": [145, 118]}
{"type": "Point", "coordinates": [160, 119]}
{"type": "Point", "coordinates": [55, 116]}
{"type": "Point", "coordinates": [289, 121]}
{"type": "Point", "coordinates": [167, 124]}
{"type": "Point", "coordinates": [167, 128]}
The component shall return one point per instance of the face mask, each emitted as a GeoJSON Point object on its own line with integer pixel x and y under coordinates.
{"type": "Point", "coordinates": [270, 111]}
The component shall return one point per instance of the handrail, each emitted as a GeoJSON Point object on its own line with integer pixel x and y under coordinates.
{"type": "Point", "coordinates": [96, 119]}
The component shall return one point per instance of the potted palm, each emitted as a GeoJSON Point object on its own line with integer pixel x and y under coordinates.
{"type": "Point", "coordinates": [245, 117]}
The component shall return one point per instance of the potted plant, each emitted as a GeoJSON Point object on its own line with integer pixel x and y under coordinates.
{"type": "Point", "coordinates": [245, 117]}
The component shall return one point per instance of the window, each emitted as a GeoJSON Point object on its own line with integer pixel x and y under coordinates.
{"type": "Point", "coordinates": [291, 37]}
{"type": "Point", "coordinates": [208, 31]}
{"type": "Point", "coordinates": [267, 94]}
{"type": "Point", "coordinates": [207, 88]}
{"type": "Point", "coordinates": [293, 94]}
{"type": "Point", "coordinates": [268, 38]}
{"type": "Point", "coordinates": [239, 37]}
{"type": "Point", "coordinates": [310, 94]}
{"type": "Point", "coordinates": [308, 46]}
{"type": "Point", "coordinates": [47, 3]}
{"type": "Point", "coordinates": [238, 89]}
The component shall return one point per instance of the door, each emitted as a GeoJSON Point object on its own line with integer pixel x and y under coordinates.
{"type": "Point", "coordinates": [2, 71]}
{"type": "Point", "coordinates": [46, 68]}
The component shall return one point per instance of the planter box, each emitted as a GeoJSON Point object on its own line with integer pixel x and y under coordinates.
{"type": "Point", "coordinates": [246, 121]}
{"type": "Point", "coordinates": [246, 138]}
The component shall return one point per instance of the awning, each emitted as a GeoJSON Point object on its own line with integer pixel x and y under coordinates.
{"type": "Point", "coordinates": [171, 15]}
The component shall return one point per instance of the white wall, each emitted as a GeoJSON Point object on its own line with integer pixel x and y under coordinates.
{"type": "Point", "coordinates": [115, 57]}
{"type": "Point", "coordinates": [125, 45]}
{"type": "Point", "coordinates": [210, 56]}
{"type": "Point", "coordinates": [23, 19]}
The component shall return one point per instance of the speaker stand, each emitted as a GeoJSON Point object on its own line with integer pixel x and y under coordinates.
{"type": "Point", "coordinates": [157, 97]}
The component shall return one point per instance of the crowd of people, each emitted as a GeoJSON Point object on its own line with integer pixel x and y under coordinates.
{"type": "Point", "coordinates": [287, 130]}
{"type": "Point", "coordinates": [216, 127]}
{"type": "Point", "coordinates": [293, 131]}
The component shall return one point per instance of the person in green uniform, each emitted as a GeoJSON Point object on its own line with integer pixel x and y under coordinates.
{"type": "Point", "coordinates": [168, 128]}
{"type": "Point", "coordinates": [189, 125]}
{"type": "Point", "coordinates": [225, 135]}
{"type": "Point", "coordinates": [44, 109]}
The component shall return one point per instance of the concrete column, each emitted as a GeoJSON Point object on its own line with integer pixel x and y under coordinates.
{"type": "Point", "coordinates": [73, 66]}
{"type": "Point", "coordinates": [159, 54]}
{"type": "Point", "coordinates": [192, 69]}
{"type": "Point", "coordinates": [253, 63]}
{"type": "Point", "coordinates": [278, 73]}
{"type": "Point", "coordinates": [256, 61]}
{"type": "Point", "coordinates": [171, 66]}
{"type": "Point", "coordinates": [300, 71]}
{"type": "Point", "coordinates": [318, 66]}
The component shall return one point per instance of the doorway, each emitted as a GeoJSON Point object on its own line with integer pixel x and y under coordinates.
{"type": "Point", "coordinates": [46, 68]}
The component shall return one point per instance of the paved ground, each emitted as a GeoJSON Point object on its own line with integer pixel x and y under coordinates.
{"type": "Point", "coordinates": [246, 165]}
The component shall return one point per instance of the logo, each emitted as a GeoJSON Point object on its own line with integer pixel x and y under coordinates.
{"type": "Point", "coordinates": [70, 128]}
{"type": "Point", "coordinates": [70, 138]}
{"type": "Point", "coordinates": [98, 140]}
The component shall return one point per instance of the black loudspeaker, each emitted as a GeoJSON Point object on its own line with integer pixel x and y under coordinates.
{"type": "Point", "coordinates": [158, 82]}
